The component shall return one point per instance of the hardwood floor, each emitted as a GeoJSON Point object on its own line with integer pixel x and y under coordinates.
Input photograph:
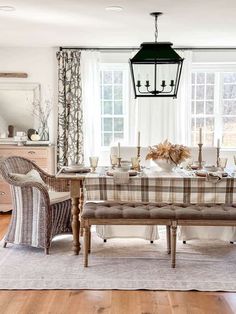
{"type": "Point", "coordinates": [112, 301]}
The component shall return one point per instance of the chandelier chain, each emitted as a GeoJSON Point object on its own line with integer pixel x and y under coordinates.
{"type": "Point", "coordinates": [156, 29]}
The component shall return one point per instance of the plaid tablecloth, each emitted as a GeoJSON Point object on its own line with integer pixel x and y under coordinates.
{"type": "Point", "coordinates": [179, 187]}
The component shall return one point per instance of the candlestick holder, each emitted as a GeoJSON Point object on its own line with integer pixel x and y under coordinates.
{"type": "Point", "coordinates": [217, 157]}
{"type": "Point", "coordinates": [119, 162]}
{"type": "Point", "coordinates": [138, 156]}
{"type": "Point", "coordinates": [200, 156]}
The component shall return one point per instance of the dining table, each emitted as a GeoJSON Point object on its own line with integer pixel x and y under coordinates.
{"type": "Point", "coordinates": [147, 186]}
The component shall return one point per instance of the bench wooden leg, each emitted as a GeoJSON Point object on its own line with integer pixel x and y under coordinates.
{"type": "Point", "coordinates": [89, 248]}
{"type": "Point", "coordinates": [86, 243]}
{"type": "Point", "coordinates": [173, 243]}
{"type": "Point", "coordinates": [168, 239]}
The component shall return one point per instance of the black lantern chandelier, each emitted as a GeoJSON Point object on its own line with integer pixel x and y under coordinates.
{"type": "Point", "coordinates": [156, 68]}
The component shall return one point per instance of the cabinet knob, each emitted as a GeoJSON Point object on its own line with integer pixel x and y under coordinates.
{"type": "Point", "coordinates": [31, 152]}
{"type": "Point", "coordinates": [2, 193]}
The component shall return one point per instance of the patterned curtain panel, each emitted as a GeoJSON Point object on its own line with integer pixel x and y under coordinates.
{"type": "Point", "coordinates": [70, 113]}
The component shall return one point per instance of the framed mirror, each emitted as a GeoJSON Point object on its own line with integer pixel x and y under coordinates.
{"type": "Point", "coordinates": [16, 106]}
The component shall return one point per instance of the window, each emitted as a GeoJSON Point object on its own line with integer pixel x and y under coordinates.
{"type": "Point", "coordinates": [214, 107]}
{"type": "Point", "coordinates": [114, 100]}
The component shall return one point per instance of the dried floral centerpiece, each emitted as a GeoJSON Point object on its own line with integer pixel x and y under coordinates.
{"type": "Point", "coordinates": [42, 113]}
{"type": "Point", "coordinates": [167, 155]}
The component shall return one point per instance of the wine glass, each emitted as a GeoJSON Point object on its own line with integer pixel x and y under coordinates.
{"type": "Point", "coordinates": [93, 162]}
{"type": "Point", "coordinates": [114, 160]}
{"type": "Point", "coordinates": [222, 162]}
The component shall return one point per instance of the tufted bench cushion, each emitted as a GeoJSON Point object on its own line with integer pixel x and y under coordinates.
{"type": "Point", "coordinates": [115, 210]}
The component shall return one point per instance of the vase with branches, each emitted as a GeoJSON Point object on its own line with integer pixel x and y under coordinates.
{"type": "Point", "coordinates": [42, 113]}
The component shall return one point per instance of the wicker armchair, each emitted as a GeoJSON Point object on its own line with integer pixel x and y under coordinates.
{"type": "Point", "coordinates": [39, 213]}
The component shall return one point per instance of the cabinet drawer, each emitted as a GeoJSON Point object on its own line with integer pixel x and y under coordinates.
{"type": "Point", "coordinates": [5, 193]}
{"type": "Point", "coordinates": [41, 162]}
{"type": "Point", "coordinates": [29, 153]}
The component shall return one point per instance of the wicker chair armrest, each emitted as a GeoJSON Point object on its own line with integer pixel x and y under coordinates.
{"type": "Point", "coordinates": [54, 183]}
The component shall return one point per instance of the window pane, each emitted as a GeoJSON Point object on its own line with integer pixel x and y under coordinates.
{"type": "Point", "coordinates": [118, 76]}
{"type": "Point", "coordinates": [193, 92]}
{"type": "Point", "coordinates": [118, 124]}
{"type": "Point", "coordinates": [193, 107]}
{"type": "Point", "coordinates": [209, 139]}
{"type": "Point", "coordinates": [200, 91]}
{"type": "Point", "coordinates": [199, 122]}
{"type": "Point", "coordinates": [107, 123]}
{"type": "Point", "coordinates": [118, 136]}
{"type": "Point", "coordinates": [200, 78]}
{"type": "Point", "coordinates": [118, 107]}
{"type": "Point", "coordinates": [210, 79]}
{"type": "Point", "coordinates": [229, 140]}
{"type": "Point", "coordinates": [193, 123]}
{"type": "Point", "coordinates": [118, 92]}
{"type": "Point", "coordinates": [193, 78]}
{"type": "Point", "coordinates": [229, 107]}
{"type": "Point", "coordinates": [107, 139]}
{"type": "Point", "coordinates": [229, 91]}
{"type": "Point", "coordinates": [229, 77]}
{"type": "Point", "coordinates": [210, 92]}
{"type": "Point", "coordinates": [229, 124]}
{"type": "Point", "coordinates": [107, 77]}
{"type": "Point", "coordinates": [209, 124]}
{"type": "Point", "coordinates": [108, 92]}
{"type": "Point", "coordinates": [199, 107]}
{"type": "Point", "coordinates": [107, 107]}
{"type": "Point", "coordinates": [209, 107]}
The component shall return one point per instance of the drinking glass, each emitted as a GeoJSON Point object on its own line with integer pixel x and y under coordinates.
{"type": "Point", "coordinates": [93, 162]}
{"type": "Point", "coordinates": [222, 162]}
{"type": "Point", "coordinates": [114, 160]}
{"type": "Point", "coordinates": [135, 162]}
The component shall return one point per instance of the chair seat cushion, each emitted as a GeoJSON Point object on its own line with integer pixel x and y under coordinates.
{"type": "Point", "coordinates": [114, 210]}
{"type": "Point", "coordinates": [58, 197]}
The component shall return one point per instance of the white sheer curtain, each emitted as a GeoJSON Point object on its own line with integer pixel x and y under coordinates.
{"type": "Point", "coordinates": [165, 118]}
{"type": "Point", "coordinates": [90, 78]}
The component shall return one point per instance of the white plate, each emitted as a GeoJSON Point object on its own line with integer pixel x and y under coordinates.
{"type": "Point", "coordinates": [76, 168]}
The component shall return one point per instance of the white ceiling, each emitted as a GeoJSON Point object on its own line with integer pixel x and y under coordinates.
{"type": "Point", "coordinates": [209, 23]}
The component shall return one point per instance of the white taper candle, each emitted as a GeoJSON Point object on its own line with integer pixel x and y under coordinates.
{"type": "Point", "coordinates": [118, 149]}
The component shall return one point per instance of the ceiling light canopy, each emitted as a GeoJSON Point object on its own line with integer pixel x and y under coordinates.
{"type": "Point", "coordinates": [114, 8]}
{"type": "Point", "coordinates": [156, 68]}
{"type": "Point", "coordinates": [7, 8]}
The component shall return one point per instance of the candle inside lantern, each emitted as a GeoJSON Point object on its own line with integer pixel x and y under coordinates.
{"type": "Point", "coordinates": [118, 149]}
{"type": "Point", "coordinates": [218, 143]}
{"type": "Point", "coordinates": [200, 135]}
{"type": "Point", "coordinates": [138, 138]}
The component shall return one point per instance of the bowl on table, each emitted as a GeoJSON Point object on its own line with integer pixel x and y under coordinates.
{"type": "Point", "coordinates": [125, 165]}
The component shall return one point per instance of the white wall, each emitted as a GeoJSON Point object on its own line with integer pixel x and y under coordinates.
{"type": "Point", "coordinates": [40, 65]}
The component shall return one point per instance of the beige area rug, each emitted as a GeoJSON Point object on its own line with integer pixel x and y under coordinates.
{"type": "Point", "coordinates": [127, 264]}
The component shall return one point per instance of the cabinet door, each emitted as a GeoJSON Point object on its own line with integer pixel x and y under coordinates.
{"type": "Point", "coordinates": [5, 193]}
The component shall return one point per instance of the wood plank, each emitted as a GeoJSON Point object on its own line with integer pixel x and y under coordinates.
{"type": "Point", "coordinates": [13, 75]}
{"type": "Point", "coordinates": [112, 301]}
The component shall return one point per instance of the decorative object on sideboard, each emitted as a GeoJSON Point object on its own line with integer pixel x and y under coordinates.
{"type": "Point", "coordinates": [167, 155]}
{"type": "Point", "coordinates": [156, 68]}
{"type": "Point", "coordinates": [13, 75]}
{"type": "Point", "coordinates": [35, 136]}
{"type": "Point", "coordinates": [10, 131]}
{"type": "Point", "coordinates": [42, 112]}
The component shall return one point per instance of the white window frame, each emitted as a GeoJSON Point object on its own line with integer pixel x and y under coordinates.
{"type": "Point", "coordinates": [125, 69]}
{"type": "Point", "coordinates": [216, 68]}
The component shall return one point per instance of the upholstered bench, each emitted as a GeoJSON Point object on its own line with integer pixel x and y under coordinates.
{"type": "Point", "coordinates": [171, 215]}
{"type": "Point", "coordinates": [201, 215]}
{"type": "Point", "coordinates": [114, 213]}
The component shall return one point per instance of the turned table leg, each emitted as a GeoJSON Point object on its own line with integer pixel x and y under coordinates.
{"type": "Point", "coordinates": [75, 211]}
{"type": "Point", "coordinates": [173, 243]}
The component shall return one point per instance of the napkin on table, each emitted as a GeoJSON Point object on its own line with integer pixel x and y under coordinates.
{"type": "Point", "coordinates": [121, 177]}
{"type": "Point", "coordinates": [214, 177]}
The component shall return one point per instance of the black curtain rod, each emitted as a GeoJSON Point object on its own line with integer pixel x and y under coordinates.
{"type": "Point", "coordinates": [137, 48]}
